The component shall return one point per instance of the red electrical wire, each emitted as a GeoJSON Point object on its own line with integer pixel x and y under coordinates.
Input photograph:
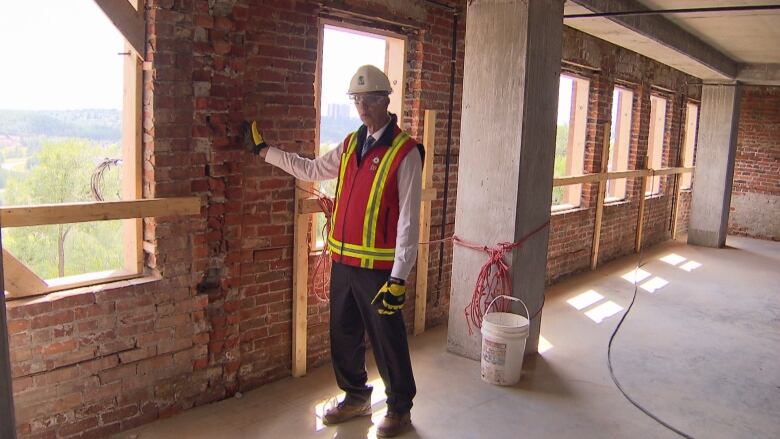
{"type": "Point", "coordinates": [323, 264]}
{"type": "Point", "coordinates": [494, 278]}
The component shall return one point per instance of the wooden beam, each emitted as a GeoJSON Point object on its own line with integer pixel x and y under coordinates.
{"type": "Point", "coordinates": [640, 222]}
{"type": "Point", "coordinates": [628, 174]}
{"type": "Point", "coordinates": [423, 251]}
{"type": "Point", "coordinates": [300, 282]}
{"type": "Point", "coordinates": [577, 179]}
{"type": "Point", "coordinates": [19, 280]}
{"type": "Point", "coordinates": [8, 426]}
{"type": "Point", "coordinates": [602, 189]}
{"type": "Point", "coordinates": [128, 20]}
{"type": "Point", "coordinates": [45, 214]}
{"type": "Point", "coordinates": [132, 229]}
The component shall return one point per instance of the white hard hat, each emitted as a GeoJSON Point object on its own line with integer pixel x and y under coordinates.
{"type": "Point", "coordinates": [369, 79]}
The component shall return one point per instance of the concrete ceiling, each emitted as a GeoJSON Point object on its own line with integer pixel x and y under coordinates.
{"type": "Point", "coordinates": [713, 46]}
{"type": "Point", "coordinates": [745, 37]}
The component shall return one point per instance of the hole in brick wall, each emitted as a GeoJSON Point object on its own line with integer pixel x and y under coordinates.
{"type": "Point", "coordinates": [210, 281]}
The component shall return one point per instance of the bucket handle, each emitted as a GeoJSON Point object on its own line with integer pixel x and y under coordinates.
{"type": "Point", "coordinates": [514, 299]}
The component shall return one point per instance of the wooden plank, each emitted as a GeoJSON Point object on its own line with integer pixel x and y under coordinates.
{"type": "Point", "coordinates": [668, 171]}
{"type": "Point", "coordinates": [628, 174]}
{"type": "Point", "coordinates": [640, 222]}
{"type": "Point", "coordinates": [128, 20]}
{"type": "Point", "coordinates": [300, 282]}
{"type": "Point", "coordinates": [602, 190]}
{"type": "Point", "coordinates": [428, 194]}
{"type": "Point", "coordinates": [132, 229]}
{"type": "Point", "coordinates": [44, 214]}
{"type": "Point", "coordinates": [423, 251]}
{"type": "Point", "coordinates": [19, 280]}
{"type": "Point", "coordinates": [577, 179]}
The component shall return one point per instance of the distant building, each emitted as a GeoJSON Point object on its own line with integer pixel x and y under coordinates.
{"type": "Point", "coordinates": [338, 111]}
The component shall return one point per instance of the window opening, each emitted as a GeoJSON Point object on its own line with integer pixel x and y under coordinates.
{"type": "Point", "coordinates": [570, 139]}
{"type": "Point", "coordinates": [619, 141]}
{"type": "Point", "coordinates": [343, 51]}
{"type": "Point", "coordinates": [655, 142]}
{"type": "Point", "coordinates": [61, 133]}
{"type": "Point", "coordinates": [689, 145]}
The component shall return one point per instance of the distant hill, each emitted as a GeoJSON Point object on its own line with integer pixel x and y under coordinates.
{"type": "Point", "coordinates": [97, 125]}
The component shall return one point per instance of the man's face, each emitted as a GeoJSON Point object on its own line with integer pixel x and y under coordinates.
{"type": "Point", "coordinates": [372, 108]}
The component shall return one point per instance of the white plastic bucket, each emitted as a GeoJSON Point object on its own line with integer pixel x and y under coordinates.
{"type": "Point", "coordinates": [503, 345]}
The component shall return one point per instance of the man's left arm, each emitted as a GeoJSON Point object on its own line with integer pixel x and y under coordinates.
{"type": "Point", "coordinates": [408, 232]}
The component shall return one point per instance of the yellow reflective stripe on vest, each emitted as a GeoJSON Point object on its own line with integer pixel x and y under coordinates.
{"type": "Point", "coordinates": [344, 159]}
{"type": "Point", "coordinates": [363, 253]}
{"type": "Point", "coordinates": [377, 190]}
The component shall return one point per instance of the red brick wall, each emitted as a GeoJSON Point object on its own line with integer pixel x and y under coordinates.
{"type": "Point", "coordinates": [756, 190]}
{"type": "Point", "coordinates": [219, 320]}
{"type": "Point", "coordinates": [571, 233]}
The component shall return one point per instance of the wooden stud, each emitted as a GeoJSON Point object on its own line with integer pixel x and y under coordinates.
{"type": "Point", "coordinates": [300, 282]}
{"type": "Point", "coordinates": [132, 229]}
{"type": "Point", "coordinates": [640, 223]}
{"type": "Point", "coordinates": [602, 189]}
{"type": "Point", "coordinates": [423, 251]}
{"type": "Point", "coordinates": [19, 280]}
{"type": "Point", "coordinates": [128, 20]}
{"type": "Point", "coordinates": [45, 214]}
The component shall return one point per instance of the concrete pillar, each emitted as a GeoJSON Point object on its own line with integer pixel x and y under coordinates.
{"type": "Point", "coordinates": [7, 423]}
{"type": "Point", "coordinates": [715, 152]}
{"type": "Point", "coordinates": [510, 98]}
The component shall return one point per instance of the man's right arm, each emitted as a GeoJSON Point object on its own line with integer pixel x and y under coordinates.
{"type": "Point", "coordinates": [325, 167]}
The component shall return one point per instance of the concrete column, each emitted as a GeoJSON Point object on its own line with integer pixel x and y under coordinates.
{"type": "Point", "coordinates": [507, 147]}
{"type": "Point", "coordinates": [7, 423]}
{"type": "Point", "coordinates": [715, 152]}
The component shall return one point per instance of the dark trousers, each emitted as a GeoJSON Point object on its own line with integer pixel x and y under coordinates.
{"type": "Point", "coordinates": [351, 316]}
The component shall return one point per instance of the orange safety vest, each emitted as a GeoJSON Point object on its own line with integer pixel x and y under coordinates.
{"type": "Point", "coordinates": [365, 216]}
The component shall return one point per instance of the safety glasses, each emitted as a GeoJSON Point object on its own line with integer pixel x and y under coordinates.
{"type": "Point", "coordinates": [366, 99]}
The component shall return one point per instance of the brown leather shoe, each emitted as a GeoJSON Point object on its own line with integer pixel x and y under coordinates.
{"type": "Point", "coordinates": [344, 412]}
{"type": "Point", "coordinates": [394, 424]}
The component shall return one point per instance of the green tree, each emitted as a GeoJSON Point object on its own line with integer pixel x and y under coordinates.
{"type": "Point", "coordinates": [62, 175]}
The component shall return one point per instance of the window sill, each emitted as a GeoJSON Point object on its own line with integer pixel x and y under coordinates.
{"type": "Point", "coordinates": [106, 284]}
{"type": "Point", "coordinates": [563, 209]}
{"type": "Point", "coordinates": [616, 202]}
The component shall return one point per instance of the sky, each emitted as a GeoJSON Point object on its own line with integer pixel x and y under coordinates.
{"type": "Point", "coordinates": [59, 55]}
{"type": "Point", "coordinates": [65, 56]}
{"type": "Point", "coordinates": [342, 54]}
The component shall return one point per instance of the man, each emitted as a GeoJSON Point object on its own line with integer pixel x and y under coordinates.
{"type": "Point", "coordinates": [373, 243]}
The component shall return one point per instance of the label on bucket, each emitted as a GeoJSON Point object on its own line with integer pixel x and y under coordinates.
{"type": "Point", "coordinates": [493, 353]}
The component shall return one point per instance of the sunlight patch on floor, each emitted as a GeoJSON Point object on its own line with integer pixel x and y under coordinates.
{"type": "Point", "coordinates": [636, 275]}
{"type": "Point", "coordinates": [654, 284]}
{"type": "Point", "coordinates": [690, 266]}
{"type": "Point", "coordinates": [673, 259]}
{"type": "Point", "coordinates": [604, 311]}
{"type": "Point", "coordinates": [584, 300]}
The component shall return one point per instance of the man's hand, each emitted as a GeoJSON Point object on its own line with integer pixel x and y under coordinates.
{"type": "Point", "coordinates": [252, 139]}
{"type": "Point", "coordinates": [393, 296]}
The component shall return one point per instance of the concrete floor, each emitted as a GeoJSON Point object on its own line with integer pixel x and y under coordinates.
{"type": "Point", "coordinates": [702, 352]}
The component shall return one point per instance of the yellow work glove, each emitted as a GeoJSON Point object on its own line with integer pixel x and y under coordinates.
{"type": "Point", "coordinates": [251, 137]}
{"type": "Point", "coordinates": [393, 296]}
